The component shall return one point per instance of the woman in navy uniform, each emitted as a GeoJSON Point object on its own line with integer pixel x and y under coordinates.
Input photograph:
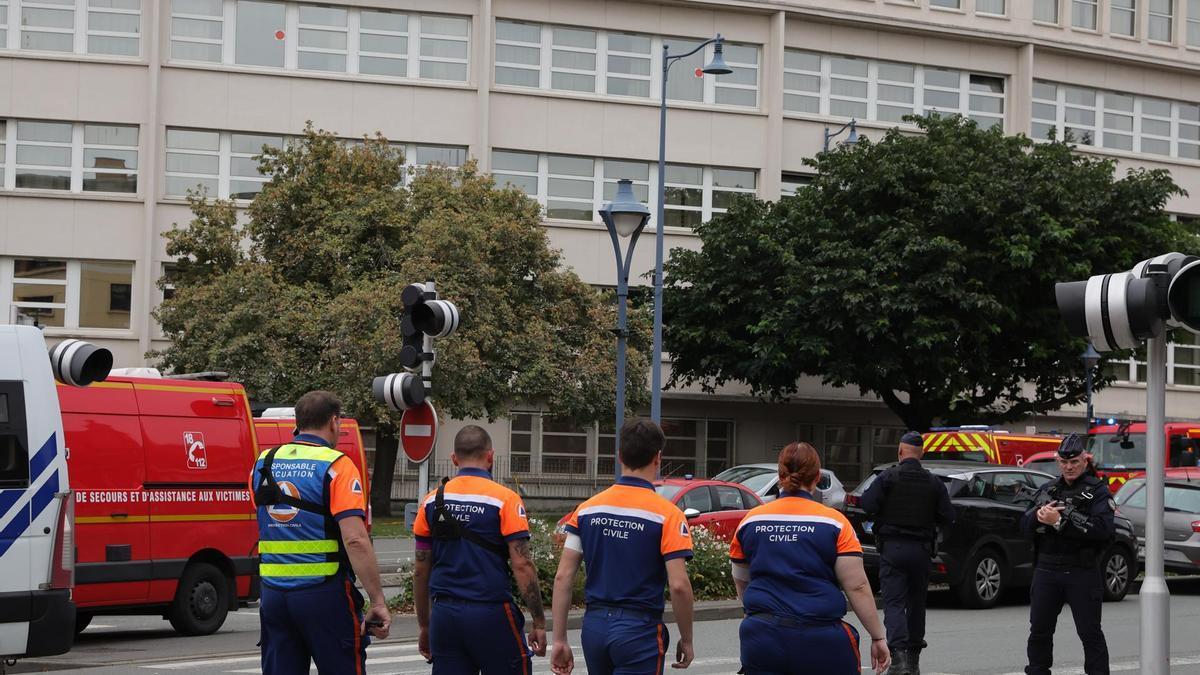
{"type": "Point", "coordinates": [792, 559]}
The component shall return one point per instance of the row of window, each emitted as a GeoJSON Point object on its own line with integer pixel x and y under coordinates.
{"type": "Point", "coordinates": [885, 91]}
{"type": "Point", "coordinates": [593, 61]}
{"type": "Point", "coordinates": [76, 157]}
{"type": "Point", "coordinates": [1123, 17]}
{"type": "Point", "coordinates": [542, 444]}
{"type": "Point", "coordinates": [572, 188]}
{"type": "Point", "coordinates": [1183, 363]}
{"type": "Point", "coordinates": [1117, 121]}
{"type": "Point", "coordinates": [110, 27]}
{"type": "Point", "coordinates": [68, 293]}
{"type": "Point", "coordinates": [321, 38]}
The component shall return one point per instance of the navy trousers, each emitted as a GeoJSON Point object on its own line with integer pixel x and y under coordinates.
{"type": "Point", "coordinates": [904, 566]}
{"type": "Point", "coordinates": [320, 624]}
{"type": "Point", "coordinates": [624, 642]}
{"type": "Point", "coordinates": [771, 648]}
{"type": "Point", "coordinates": [1083, 589]}
{"type": "Point", "coordinates": [469, 638]}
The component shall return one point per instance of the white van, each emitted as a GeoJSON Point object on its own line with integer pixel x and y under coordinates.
{"type": "Point", "coordinates": [37, 550]}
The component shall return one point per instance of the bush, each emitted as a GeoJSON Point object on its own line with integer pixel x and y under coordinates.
{"type": "Point", "coordinates": [708, 570]}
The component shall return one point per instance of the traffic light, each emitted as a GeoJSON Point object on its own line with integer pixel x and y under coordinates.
{"type": "Point", "coordinates": [425, 317]}
{"type": "Point", "coordinates": [1117, 311]}
{"type": "Point", "coordinates": [79, 363]}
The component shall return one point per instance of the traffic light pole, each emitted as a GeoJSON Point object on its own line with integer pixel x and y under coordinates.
{"type": "Point", "coordinates": [1154, 596]}
{"type": "Point", "coordinates": [427, 379]}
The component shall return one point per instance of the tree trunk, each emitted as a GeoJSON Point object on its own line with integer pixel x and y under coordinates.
{"type": "Point", "coordinates": [387, 446]}
{"type": "Point", "coordinates": [914, 416]}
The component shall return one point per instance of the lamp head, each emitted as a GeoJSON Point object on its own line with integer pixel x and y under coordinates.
{"type": "Point", "coordinates": [853, 137]}
{"type": "Point", "coordinates": [718, 66]}
{"type": "Point", "coordinates": [1090, 356]}
{"type": "Point", "coordinates": [625, 214]}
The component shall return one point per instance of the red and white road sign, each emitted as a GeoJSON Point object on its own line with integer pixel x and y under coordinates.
{"type": "Point", "coordinates": [418, 432]}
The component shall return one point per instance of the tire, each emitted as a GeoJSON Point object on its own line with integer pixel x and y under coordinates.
{"type": "Point", "coordinates": [82, 619]}
{"type": "Point", "coordinates": [1118, 571]}
{"type": "Point", "coordinates": [201, 601]}
{"type": "Point", "coordinates": [984, 580]}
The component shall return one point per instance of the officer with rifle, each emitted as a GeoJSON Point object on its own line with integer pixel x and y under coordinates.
{"type": "Point", "coordinates": [1071, 523]}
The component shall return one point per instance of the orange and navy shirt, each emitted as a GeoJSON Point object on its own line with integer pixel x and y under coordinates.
{"type": "Point", "coordinates": [346, 496]}
{"type": "Point", "coordinates": [791, 546]}
{"type": "Point", "coordinates": [461, 569]}
{"type": "Point", "coordinates": [627, 533]}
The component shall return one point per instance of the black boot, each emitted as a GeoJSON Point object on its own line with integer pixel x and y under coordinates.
{"type": "Point", "coordinates": [899, 663]}
{"type": "Point", "coordinates": [914, 662]}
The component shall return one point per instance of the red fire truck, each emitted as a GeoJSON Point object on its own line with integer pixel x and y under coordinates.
{"type": "Point", "coordinates": [979, 443]}
{"type": "Point", "coordinates": [1119, 449]}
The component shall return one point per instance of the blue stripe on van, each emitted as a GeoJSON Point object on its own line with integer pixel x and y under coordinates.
{"type": "Point", "coordinates": [44, 496]}
{"type": "Point", "coordinates": [42, 459]}
{"type": "Point", "coordinates": [8, 498]}
{"type": "Point", "coordinates": [14, 529]}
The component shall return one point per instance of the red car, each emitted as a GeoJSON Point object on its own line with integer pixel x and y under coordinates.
{"type": "Point", "coordinates": [714, 505]}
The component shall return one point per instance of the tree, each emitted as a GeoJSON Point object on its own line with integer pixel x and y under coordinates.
{"type": "Point", "coordinates": [306, 293]}
{"type": "Point", "coordinates": [919, 268]}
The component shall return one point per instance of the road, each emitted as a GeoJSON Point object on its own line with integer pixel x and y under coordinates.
{"type": "Point", "coordinates": [961, 641]}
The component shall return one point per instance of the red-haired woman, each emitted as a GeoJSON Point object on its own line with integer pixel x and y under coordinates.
{"type": "Point", "coordinates": [791, 560]}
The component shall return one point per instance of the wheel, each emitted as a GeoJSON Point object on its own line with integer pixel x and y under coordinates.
{"type": "Point", "coordinates": [983, 581]}
{"type": "Point", "coordinates": [1117, 567]}
{"type": "Point", "coordinates": [201, 601]}
{"type": "Point", "coordinates": [82, 619]}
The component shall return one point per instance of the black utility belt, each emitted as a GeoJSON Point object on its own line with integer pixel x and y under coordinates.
{"type": "Point", "coordinates": [1081, 560]}
{"type": "Point", "coordinates": [792, 621]}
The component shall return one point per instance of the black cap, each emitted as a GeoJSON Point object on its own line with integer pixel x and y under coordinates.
{"type": "Point", "coordinates": [911, 438]}
{"type": "Point", "coordinates": [1071, 446]}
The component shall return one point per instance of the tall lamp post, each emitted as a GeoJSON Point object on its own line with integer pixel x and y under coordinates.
{"type": "Point", "coordinates": [1090, 358]}
{"type": "Point", "coordinates": [715, 67]}
{"type": "Point", "coordinates": [625, 217]}
{"type": "Point", "coordinates": [852, 125]}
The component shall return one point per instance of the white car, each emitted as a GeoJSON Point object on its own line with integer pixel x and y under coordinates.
{"type": "Point", "coordinates": [763, 480]}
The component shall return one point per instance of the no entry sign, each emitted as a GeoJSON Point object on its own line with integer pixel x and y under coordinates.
{"type": "Point", "coordinates": [418, 432]}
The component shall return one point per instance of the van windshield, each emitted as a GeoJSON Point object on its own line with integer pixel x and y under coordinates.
{"type": "Point", "coordinates": [1121, 453]}
{"type": "Point", "coordinates": [14, 438]}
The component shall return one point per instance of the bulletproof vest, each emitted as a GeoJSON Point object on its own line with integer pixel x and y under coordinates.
{"type": "Point", "coordinates": [1051, 548]}
{"type": "Point", "coordinates": [912, 501]}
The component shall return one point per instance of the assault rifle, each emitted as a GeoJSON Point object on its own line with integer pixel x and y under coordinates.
{"type": "Point", "coordinates": [1070, 513]}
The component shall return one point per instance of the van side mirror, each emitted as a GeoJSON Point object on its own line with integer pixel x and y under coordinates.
{"type": "Point", "coordinates": [690, 513]}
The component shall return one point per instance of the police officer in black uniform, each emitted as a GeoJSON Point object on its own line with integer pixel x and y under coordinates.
{"type": "Point", "coordinates": [908, 503]}
{"type": "Point", "coordinates": [1068, 551]}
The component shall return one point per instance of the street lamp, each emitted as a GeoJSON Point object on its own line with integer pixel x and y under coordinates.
{"type": "Point", "coordinates": [715, 67]}
{"type": "Point", "coordinates": [625, 217]}
{"type": "Point", "coordinates": [852, 125]}
{"type": "Point", "coordinates": [1090, 358]}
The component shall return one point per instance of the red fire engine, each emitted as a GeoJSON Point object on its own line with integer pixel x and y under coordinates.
{"type": "Point", "coordinates": [1119, 448]}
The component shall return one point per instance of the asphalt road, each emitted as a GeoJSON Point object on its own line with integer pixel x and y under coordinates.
{"type": "Point", "coordinates": [961, 642]}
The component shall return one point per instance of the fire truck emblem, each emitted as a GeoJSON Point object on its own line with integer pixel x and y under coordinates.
{"type": "Point", "coordinates": [197, 456]}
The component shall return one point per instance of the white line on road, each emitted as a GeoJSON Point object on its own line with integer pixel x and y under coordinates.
{"type": "Point", "coordinates": [1125, 666]}
{"type": "Point", "coordinates": [197, 663]}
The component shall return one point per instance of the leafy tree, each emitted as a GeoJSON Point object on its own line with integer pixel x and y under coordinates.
{"type": "Point", "coordinates": [919, 268]}
{"type": "Point", "coordinates": [302, 291]}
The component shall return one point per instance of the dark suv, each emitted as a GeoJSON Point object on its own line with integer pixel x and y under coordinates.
{"type": "Point", "coordinates": [984, 552]}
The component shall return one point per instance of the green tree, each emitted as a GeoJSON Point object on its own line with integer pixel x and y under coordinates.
{"type": "Point", "coordinates": [919, 268]}
{"type": "Point", "coordinates": [302, 290]}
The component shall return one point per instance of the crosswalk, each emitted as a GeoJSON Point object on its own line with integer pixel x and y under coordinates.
{"type": "Point", "coordinates": [402, 659]}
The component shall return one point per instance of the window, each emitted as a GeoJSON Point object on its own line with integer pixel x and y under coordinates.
{"type": "Point", "coordinates": [564, 446]}
{"type": "Point", "coordinates": [989, 7]}
{"type": "Point", "coordinates": [948, 4]}
{"type": "Point", "coordinates": [70, 156]}
{"type": "Point", "coordinates": [193, 161]}
{"type": "Point", "coordinates": [719, 451]}
{"type": "Point", "coordinates": [48, 25]}
{"type": "Point", "coordinates": [71, 294]}
{"type": "Point", "coordinates": [245, 181]}
{"type": "Point", "coordinates": [1006, 487]}
{"type": "Point", "coordinates": [1193, 23]}
{"type": "Point", "coordinates": [14, 438]}
{"type": "Point", "coordinates": [577, 59]}
{"type": "Point", "coordinates": [113, 27]}
{"type": "Point", "coordinates": [197, 28]}
{"type": "Point", "coordinates": [791, 183]}
{"type": "Point", "coordinates": [729, 498]}
{"type": "Point", "coordinates": [843, 451]}
{"type": "Point", "coordinates": [1155, 126]}
{"type": "Point", "coordinates": [1045, 11]}
{"type": "Point", "coordinates": [572, 188]}
{"type": "Point", "coordinates": [520, 442]}
{"type": "Point", "coordinates": [1084, 13]}
{"type": "Point", "coordinates": [1118, 122]}
{"type": "Point", "coordinates": [884, 441]}
{"type": "Point", "coordinates": [1162, 18]}
{"type": "Point", "coordinates": [1124, 17]}
{"type": "Point", "coordinates": [321, 38]}
{"type": "Point", "coordinates": [1184, 358]}
{"type": "Point", "coordinates": [886, 91]}
{"type": "Point", "coordinates": [698, 498]}
{"type": "Point", "coordinates": [680, 454]}
{"type": "Point", "coordinates": [4, 4]}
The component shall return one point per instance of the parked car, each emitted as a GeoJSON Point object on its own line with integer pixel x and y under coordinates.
{"type": "Point", "coordinates": [715, 505]}
{"type": "Point", "coordinates": [763, 480]}
{"type": "Point", "coordinates": [984, 553]}
{"type": "Point", "coordinates": [1181, 521]}
{"type": "Point", "coordinates": [1046, 462]}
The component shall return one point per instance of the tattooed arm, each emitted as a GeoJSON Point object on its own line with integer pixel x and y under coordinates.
{"type": "Point", "coordinates": [424, 563]}
{"type": "Point", "coordinates": [526, 575]}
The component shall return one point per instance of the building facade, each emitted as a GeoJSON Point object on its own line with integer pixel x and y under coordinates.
{"type": "Point", "coordinates": [111, 109]}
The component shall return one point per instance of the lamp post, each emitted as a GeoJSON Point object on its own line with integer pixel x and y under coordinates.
{"type": "Point", "coordinates": [625, 217]}
{"type": "Point", "coordinates": [1090, 358]}
{"type": "Point", "coordinates": [852, 125]}
{"type": "Point", "coordinates": [715, 67]}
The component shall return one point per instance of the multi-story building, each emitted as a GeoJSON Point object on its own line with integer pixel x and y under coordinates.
{"type": "Point", "coordinates": [112, 109]}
